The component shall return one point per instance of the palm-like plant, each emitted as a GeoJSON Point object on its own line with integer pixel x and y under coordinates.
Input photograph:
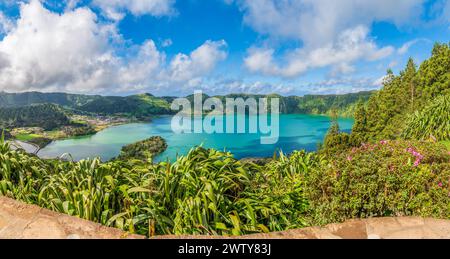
{"type": "Point", "coordinates": [433, 121]}
{"type": "Point", "coordinates": [204, 192]}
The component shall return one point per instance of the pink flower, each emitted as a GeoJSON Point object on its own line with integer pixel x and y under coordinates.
{"type": "Point", "coordinates": [349, 158]}
{"type": "Point", "coordinates": [419, 157]}
{"type": "Point", "coordinates": [383, 142]}
{"type": "Point", "coordinates": [440, 184]}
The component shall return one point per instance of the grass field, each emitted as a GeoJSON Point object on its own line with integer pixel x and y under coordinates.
{"type": "Point", "coordinates": [27, 137]}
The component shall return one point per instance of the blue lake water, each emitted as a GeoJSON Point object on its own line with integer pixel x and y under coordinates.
{"type": "Point", "coordinates": [297, 132]}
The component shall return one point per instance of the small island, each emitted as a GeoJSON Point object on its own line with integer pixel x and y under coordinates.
{"type": "Point", "coordinates": [143, 150]}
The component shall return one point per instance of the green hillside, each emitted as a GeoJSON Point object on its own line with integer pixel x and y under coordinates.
{"type": "Point", "coordinates": [145, 105]}
{"type": "Point", "coordinates": [409, 100]}
{"type": "Point", "coordinates": [46, 116]}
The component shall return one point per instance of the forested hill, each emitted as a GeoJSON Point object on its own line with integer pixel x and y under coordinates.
{"type": "Point", "coordinates": [343, 105]}
{"type": "Point", "coordinates": [145, 105]}
{"type": "Point", "coordinates": [414, 104]}
{"type": "Point", "coordinates": [46, 116]}
{"type": "Point", "coordinates": [142, 105]}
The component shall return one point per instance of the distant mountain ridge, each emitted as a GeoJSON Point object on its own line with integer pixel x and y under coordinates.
{"type": "Point", "coordinates": [142, 105]}
{"type": "Point", "coordinates": [145, 105]}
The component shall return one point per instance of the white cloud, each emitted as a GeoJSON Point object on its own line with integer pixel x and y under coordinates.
{"type": "Point", "coordinates": [223, 87]}
{"type": "Point", "coordinates": [446, 12]}
{"type": "Point", "coordinates": [341, 86]}
{"type": "Point", "coordinates": [317, 22]}
{"type": "Point", "coordinates": [405, 47]}
{"type": "Point", "coordinates": [381, 81]}
{"type": "Point", "coordinates": [116, 9]}
{"type": "Point", "coordinates": [166, 43]}
{"type": "Point", "coordinates": [261, 60]}
{"type": "Point", "coordinates": [43, 51]}
{"type": "Point", "coordinates": [71, 4]}
{"type": "Point", "coordinates": [329, 86]}
{"type": "Point", "coordinates": [200, 61]}
{"type": "Point", "coordinates": [5, 23]}
{"type": "Point", "coordinates": [352, 45]}
{"type": "Point", "coordinates": [393, 64]}
{"type": "Point", "coordinates": [330, 33]}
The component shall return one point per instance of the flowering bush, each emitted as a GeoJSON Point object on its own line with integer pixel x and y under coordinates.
{"type": "Point", "coordinates": [389, 178]}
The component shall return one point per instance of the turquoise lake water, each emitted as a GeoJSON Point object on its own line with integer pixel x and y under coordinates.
{"type": "Point", "coordinates": [297, 132]}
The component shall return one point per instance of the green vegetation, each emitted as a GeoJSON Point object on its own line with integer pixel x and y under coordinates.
{"type": "Point", "coordinates": [432, 122]}
{"type": "Point", "coordinates": [389, 178]}
{"type": "Point", "coordinates": [5, 133]}
{"type": "Point", "coordinates": [143, 150]}
{"type": "Point", "coordinates": [140, 106]}
{"type": "Point", "coordinates": [341, 105]}
{"type": "Point", "coordinates": [42, 123]}
{"type": "Point", "coordinates": [143, 106]}
{"type": "Point", "coordinates": [446, 144]}
{"type": "Point", "coordinates": [335, 141]}
{"type": "Point", "coordinates": [389, 111]}
{"type": "Point", "coordinates": [26, 137]}
{"type": "Point", "coordinates": [205, 192]}
{"type": "Point", "coordinates": [210, 192]}
{"type": "Point", "coordinates": [79, 130]}
{"type": "Point", "coordinates": [47, 116]}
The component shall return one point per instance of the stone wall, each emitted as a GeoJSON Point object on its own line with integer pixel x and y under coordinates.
{"type": "Point", "coordinates": [23, 221]}
{"type": "Point", "coordinates": [19, 220]}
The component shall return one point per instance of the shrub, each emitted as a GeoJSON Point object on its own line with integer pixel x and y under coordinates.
{"type": "Point", "coordinates": [204, 192]}
{"type": "Point", "coordinates": [396, 178]}
{"type": "Point", "coordinates": [335, 141]}
{"type": "Point", "coordinates": [5, 133]}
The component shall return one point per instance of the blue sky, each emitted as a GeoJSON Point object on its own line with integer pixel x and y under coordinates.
{"type": "Point", "coordinates": [174, 47]}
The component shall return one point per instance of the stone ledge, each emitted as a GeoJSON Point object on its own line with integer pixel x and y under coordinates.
{"type": "Point", "coordinates": [23, 221]}
{"type": "Point", "coordinates": [19, 220]}
{"type": "Point", "coordinates": [375, 228]}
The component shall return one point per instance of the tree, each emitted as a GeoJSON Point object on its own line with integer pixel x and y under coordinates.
{"type": "Point", "coordinates": [409, 79]}
{"type": "Point", "coordinates": [388, 110]}
{"type": "Point", "coordinates": [335, 141]}
{"type": "Point", "coordinates": [360, 127]}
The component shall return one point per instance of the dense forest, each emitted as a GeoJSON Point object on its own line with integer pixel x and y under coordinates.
{"type": "Point", "coordinates": [415, 99]}
{"type": "Point", "coordinates": [342, 105]}
{"type": "Point", "coordinates": [46, 116]}
{"type": "Point", "coordinates": [143, 106]}
{"type": "Point", "coordinates": [414, 105]}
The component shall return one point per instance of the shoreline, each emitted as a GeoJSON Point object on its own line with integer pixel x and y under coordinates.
{"type": "Point", "coordinates": [46, 139]}
{"type": "Point", "coordinates": [105, 148]}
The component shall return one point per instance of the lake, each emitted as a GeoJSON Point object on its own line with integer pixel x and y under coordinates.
{"type": "Point", "coordinates": [297, 132]}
